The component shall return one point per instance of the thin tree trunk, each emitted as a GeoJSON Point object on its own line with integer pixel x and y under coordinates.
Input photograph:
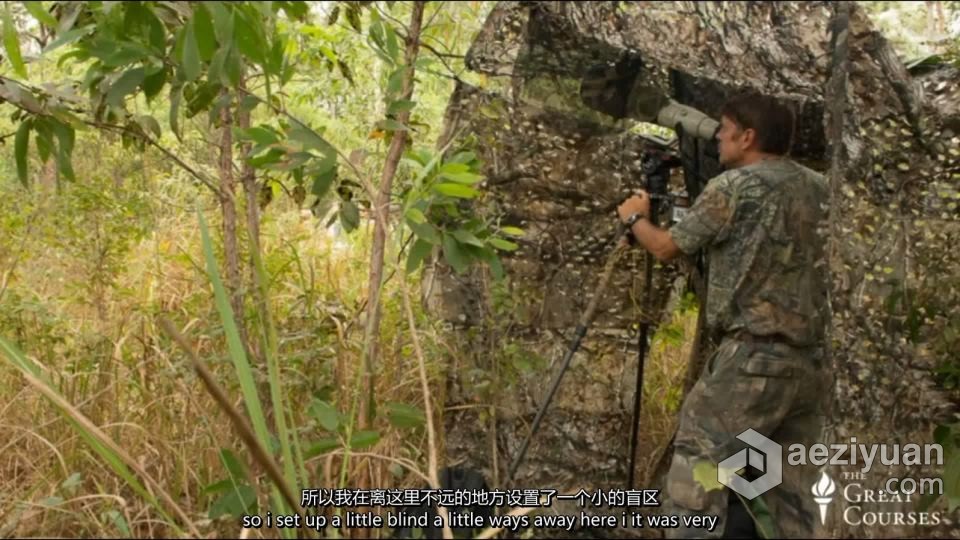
{"type": "Point", "coordinates": [228, 207]}
{"type": "Point", "coordinates": [249, 180]}
{"type": "Point", "coordinates": [382, 222]}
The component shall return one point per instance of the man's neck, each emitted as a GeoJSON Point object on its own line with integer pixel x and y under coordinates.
{"type": "Point", "coordinates": [757, 157]}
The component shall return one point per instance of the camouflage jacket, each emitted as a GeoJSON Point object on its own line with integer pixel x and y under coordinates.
{"type": "Point", "coordinates": [760, 227]}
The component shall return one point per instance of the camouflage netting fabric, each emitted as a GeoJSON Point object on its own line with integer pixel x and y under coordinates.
{"type": "Point", "coordinates": [558, 168]}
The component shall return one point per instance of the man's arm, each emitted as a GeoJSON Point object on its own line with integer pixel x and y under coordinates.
{"type": "Point", "coordinates": [709, 215]}
{"type": "Point", "coordinates": [657, 241]}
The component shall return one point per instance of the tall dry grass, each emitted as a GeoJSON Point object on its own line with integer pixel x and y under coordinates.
{"type": "Point", "coordinates": [107, 366]}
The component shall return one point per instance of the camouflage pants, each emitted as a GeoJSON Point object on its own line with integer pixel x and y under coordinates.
{"type": "Point", "coordinates": [777, 390]}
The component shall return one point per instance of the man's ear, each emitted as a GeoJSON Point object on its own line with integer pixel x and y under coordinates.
{"type": "Point", "coordinates": [749, 138]}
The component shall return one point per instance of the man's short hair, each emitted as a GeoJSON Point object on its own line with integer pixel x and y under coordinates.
{"type": "Point", "coordinates": [772, 120]}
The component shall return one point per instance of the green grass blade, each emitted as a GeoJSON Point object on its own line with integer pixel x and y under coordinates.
{"type": "Point", "coordinates": [273, 372]}
{"type": "Point", "coordinates": [238, 355]}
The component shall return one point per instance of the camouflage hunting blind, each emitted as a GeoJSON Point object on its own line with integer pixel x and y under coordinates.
{"type": "Point", "coordinates": [552, 124]}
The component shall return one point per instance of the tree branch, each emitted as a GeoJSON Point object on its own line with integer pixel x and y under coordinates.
{"type": "Point", "coordinates": [169, 155]}
{"type": "Point", "coordinates": [36, 109]}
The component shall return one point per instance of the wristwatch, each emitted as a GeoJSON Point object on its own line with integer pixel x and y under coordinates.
{"type": "Point", "coordinates": [635, 217]}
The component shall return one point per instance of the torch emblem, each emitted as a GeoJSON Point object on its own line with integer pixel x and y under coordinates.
{"type": "Point", "coordinates": [823, 494]}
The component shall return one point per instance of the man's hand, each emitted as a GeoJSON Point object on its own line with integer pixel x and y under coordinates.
{"type": "Point", "coordinates": [638, 203]}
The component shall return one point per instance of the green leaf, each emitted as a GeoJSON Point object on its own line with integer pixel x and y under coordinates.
{"type": "Point", "coordinates": [79, 54]}
{"type": "Point", "coordinates": [310, 139]}
{"type": "Point", "coordinates": [364, 439]}
{"type": "Point", "coordinates": [249, 103]}
{"type": "Point", "coordinates": [275, 63]}
{"type": "Point", "coordinates": [274, 155]}
{"type": "Point", "coordinates": [71, 482]}
{"type": "Point", "coordinates": [116, 518]}
{"type": "Point", "coordinates": [393, 48]}
{"type": "Point", "coordinates": [425, 231]}
{"type": "Point", "coordinates": [353, 17]}
{"type": "Point", "coordinates": [149, 125]}
{"type": "Point", "coordinates": [44, 139]}
{"type": "Point", "coordinates": [462, 177]}
{"type": "Point", "coordinates": [295, 10]}
{"type": "Point", "coordinates": [204, 33]}
{"type": "Point", "coordinates": [512, 231]}
{"type": "Point", "coordinates": [395, 82]}
{"type": "Point", "coordinates": [401, 105]}
{"type": "Point", "coordinates": [222, 101]}
{"type": "Point", "coordinates": [454, 167]}
{"type": "Point", "coordinates": [261, 135]}
{"type": "Point", "coordinates": [951, 480]}
{"type": "Point", "coordinates": [463, 158]}
{"type": "Point", "coordinates": [324, 173]}
{"type": "Point", "coordinates": [391, 125]}
{"type": "Point", "coordinates": [418, 252]}
{"type": "Point", "coordinates": [248, 37]}
{"type": "Point", "coordinates": [926, 501]}
{"type": "Point", "coordinates": [20, 144]}
{"type": "Point", "coordinates": [156, 34]}
{"type": "Point", "coordinates": [402, 415]}
{"type": "Point", "coordinates": [236, 502]}
{"type": "Point", "coordinates": [176, 96]}
{"type": "Point", "coordinates": [69, 37]}
{"type": "Point", "coordinates": [68, 16]}
{"type": "Point", "coordinates": [202, 98]}
{"type": "Point", "coordinates": [236, 470]}
{"type": "Point", "coordinates": [415, 215]}
{"type": "Point", "coordinates": [233, 65]}
{"type": "Point", "coordinates": [321, 447]}
{"type": "Point", "coordinates": [51, 501]}
{"type": "Point", "coordinates": [153, 84]}
{"type": "Point", "coordinates": [456, 190]}
{"type": "Point", "coordinates": [112, 54]}
{"type": "Point", "coordinates": [496, 267]}
{"type": "Point", "coordinates": [763, 520]}
{"type": "Point", "coordinates": [705, 474]}
{"type": "Point", "coordinates": [126, 84]}
{"type": "Point", "coordinates": [222, 22]}
{"type": "Point", "coordinates": [465, 237]}
{"type": "Point", "coordinates": [326, 414]}
{"type": "Point", "coordinates": [65, 139]}
{"type": "Point", "coordinates": [40, 14]}
{"type": "Point", "coordinates": [349, 216]}
{"type": "Point", "coordinates": [11, 42]}
{"type": "Point", "coordinates": [215, 72]}
{"type": "Point", "coordinates": [454, 255]}
{"type": "Point", "coordinates": [942, 436]}
{"type": "Point", "coordinates": [505, 245]}
{"type": "Point", "coordinates": [191, 54]}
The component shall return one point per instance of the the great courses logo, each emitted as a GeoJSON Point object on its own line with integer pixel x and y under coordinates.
{"type": "Point", "coordinates": [871, 507]}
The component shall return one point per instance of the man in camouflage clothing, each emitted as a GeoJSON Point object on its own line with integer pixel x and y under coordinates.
{"type": "Point", "coordinates": [767, 297]}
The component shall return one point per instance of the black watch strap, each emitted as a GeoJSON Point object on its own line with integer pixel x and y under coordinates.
{"type": "Point", "coordinates": [635, 217]}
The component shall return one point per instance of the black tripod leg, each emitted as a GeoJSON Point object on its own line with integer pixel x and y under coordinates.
{"type": "Point", "coordinates": [641, 353]}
